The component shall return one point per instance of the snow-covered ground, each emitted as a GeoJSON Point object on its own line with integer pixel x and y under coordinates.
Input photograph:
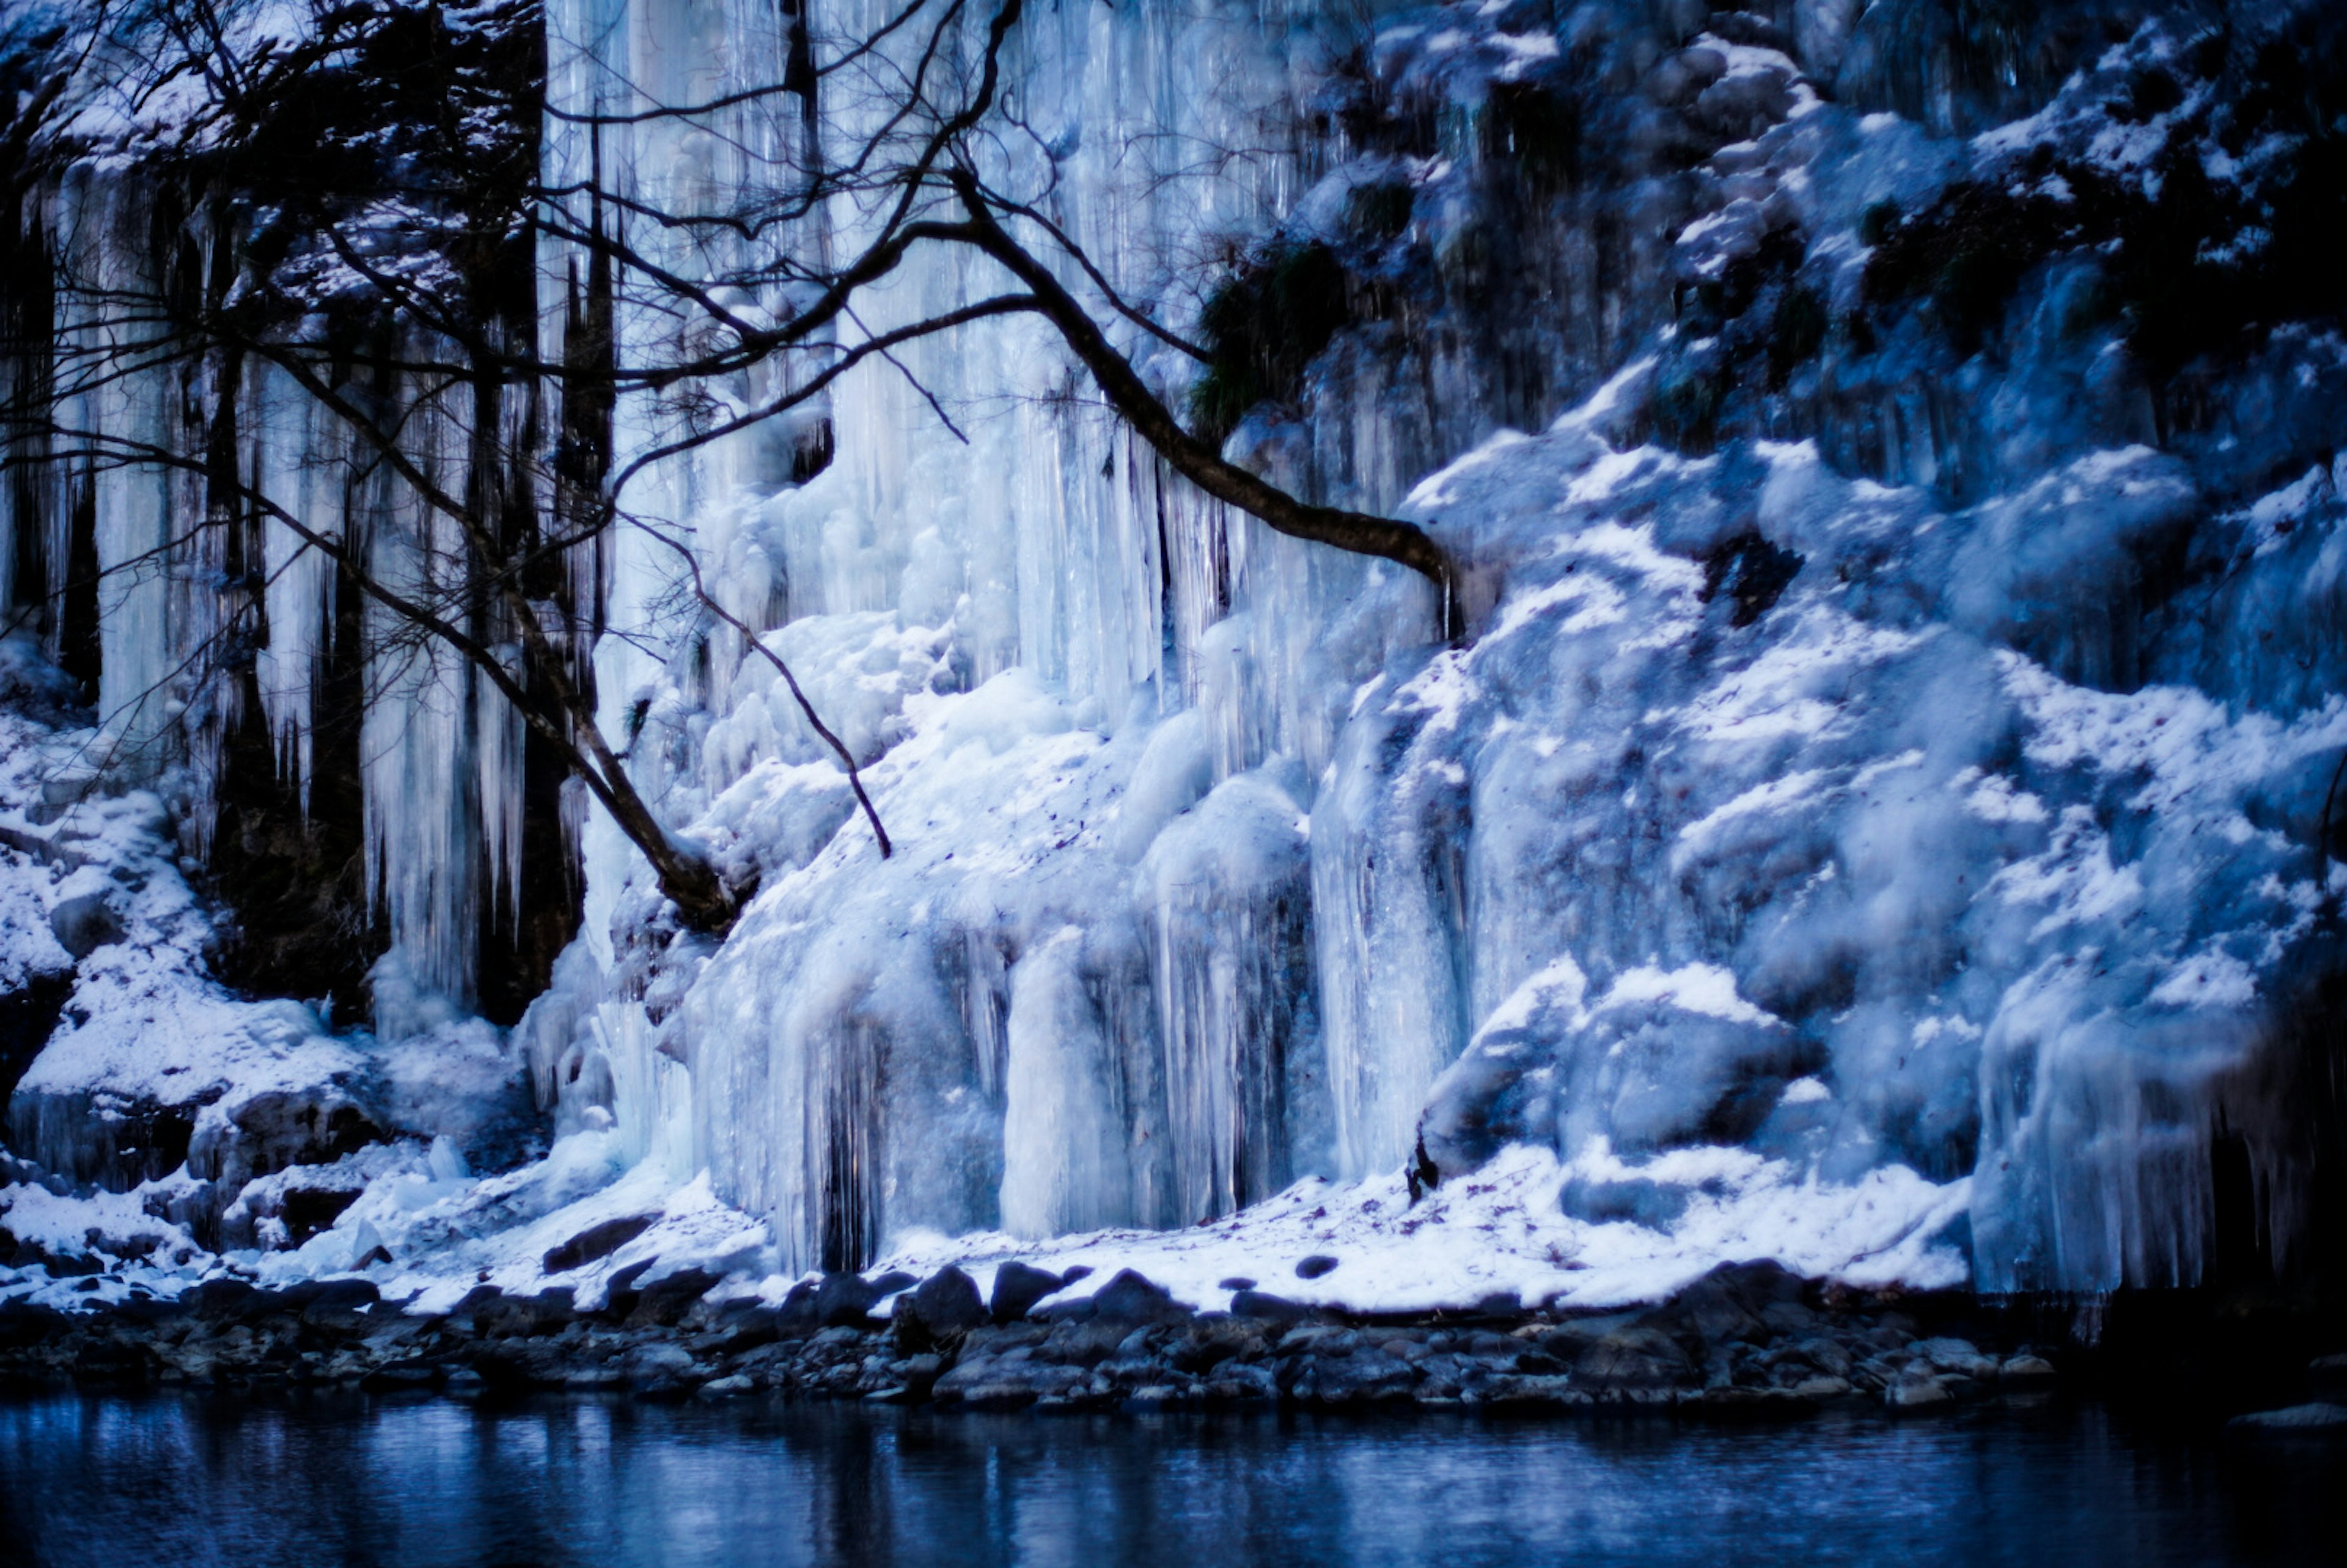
{"type": "Point", "coordinates": [1500, 1233]}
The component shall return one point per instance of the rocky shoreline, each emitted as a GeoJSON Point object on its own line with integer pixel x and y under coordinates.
{"type": "Point", "coordinates": [1747, 1341]}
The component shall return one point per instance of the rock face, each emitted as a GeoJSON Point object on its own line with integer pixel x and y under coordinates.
{"type": "Point", "coordinates": [1747, 1341]}
{"type": "Point", "coordinates": [1897, 526]}
{"type": "Point", "coordinates": [1846, 575]}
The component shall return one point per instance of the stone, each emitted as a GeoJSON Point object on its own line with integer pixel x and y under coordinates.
{"type": "Point", "coordinates": [1513, 1391]}
{"type": "Point", "coordinates": [1916, 1390]}
{"type": "Point", "coordinates": [1713, 1309]}
{"type": "Point", "coordinates": [597, 1241]}
{"type": "Point", "coordinates": [519, 1316]}
{"type": "Point", "coordinates": [1568, 1339]}
{"type": "Point", "coordinates": [1313, 1267]}
{"type": "Point", "coordinates": [519, 1361]}
{"type": "Point", "coordinates": [796, 1317]}
{"type": "Point", "coordinates": [2328, 1420]}
{"type": "Point", "coordinates": [219, 1298]}
{"type": "Point", "coordinates": [1960, 1357]}
{"type": "Point", "coordinates": [2024, 1370]}
{"type": "Point", "coordinates": [1211, 1341]}
{"type": "Point", "coordinates": [1363, 1377]}
{"type": "Point", "coordinates": [1750, 1404]}
{"type": "Point", "coordinates": [1320, 1339]}
{"type": "Point", "coordinates": [1636, 1358]}
{"type": "Point", "coordinates": [726, 1386]}
{"type": "Point", "coordinates": [921, 1374]}
{"type": "Point", "coordinates": [663, 1302]}
{"type": "Point", "coordinates": [593, 1378]}
{"type": "Point", "coordinates": [744, 1324]}
{"type": "Point", "coordinates": [1235, 1282]}
{"type": "Point", "coordinates": [620, 1293]}
{"type": "Point", "coordinates": [1082, 1343]}
{"type": "Point", "coordinates": [944, 1305]}
{"type": "Point", "coordinates": [85, 924]}
{"type": "Point", "coordinates": [1826, 1355]}
{"type": "Point", "coordinates": [986, 1382]}
{"type": "Point", "coordinates": [1131, 1297]}
{"type": "Point", "coordinates": [1240, 1385]}
{"type": "Point", "coordinates": [1017, 1287]}
{"type": "Point", "coordinates": [22, 1324]}
{"type": "Point", "coordinates": [1267, 1309]}
{"type": "Point", "coordinates": [658, 1362]}
{"type": "Point", "coordinates": [845, 1300]}
{"type": "Point", "coordinates": [470, 1304]}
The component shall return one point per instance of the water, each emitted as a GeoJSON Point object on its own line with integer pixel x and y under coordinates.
{"type": "Point", "coordinates": [194, 1479]}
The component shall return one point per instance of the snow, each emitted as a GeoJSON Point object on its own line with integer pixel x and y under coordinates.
{"type": "Point", "coordinates": [1501, 1231]}
{"type": "Point", "coordinates": [1705, 988]}
{"type": "Point", "coordinates": [1221, 892]}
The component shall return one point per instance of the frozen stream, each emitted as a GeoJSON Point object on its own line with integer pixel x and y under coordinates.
{"type": "Point", "coordinates": [190, 1480]}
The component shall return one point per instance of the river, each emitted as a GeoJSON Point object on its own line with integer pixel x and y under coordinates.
{"type": "Point", "coordinates": [175, 1481]}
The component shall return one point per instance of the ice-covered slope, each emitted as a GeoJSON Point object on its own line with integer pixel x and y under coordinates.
{"type": "Point", "coordinates": [1866, 820]}
{"type": "Point", "coordinates": [1890, 775]}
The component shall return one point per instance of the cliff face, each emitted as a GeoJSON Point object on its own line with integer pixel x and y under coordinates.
{"type": "Point", "coordinates": [1893, 455]}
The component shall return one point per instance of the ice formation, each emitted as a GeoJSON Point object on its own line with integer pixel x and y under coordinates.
{"type": "Point", "coordinates": [1880, 817]}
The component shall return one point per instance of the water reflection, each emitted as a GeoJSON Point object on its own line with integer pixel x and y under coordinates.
{"type": "Point", "coordinates": [169, 1481]}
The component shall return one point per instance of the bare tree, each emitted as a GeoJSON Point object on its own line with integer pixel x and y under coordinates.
{"type": "Point", "coordinates": [387, 272]}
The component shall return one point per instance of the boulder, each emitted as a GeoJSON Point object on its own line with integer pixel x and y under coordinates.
{"type": "Point", "coordinates": [23, 1323]}
{"type": "Point", "coordinates": [1634, 1359]}
{"type": "Point", "coordinates": [520, 1317]}
{"type": "Point", "coordinates": [987, 1382]}
{"type": "Point", "coordinates": [845, 1300]}
{"type": "Point", "coordinates": [85, 924]}
{"type": "Point", "coordinates": [597, 1241]}
{"type": "Point", "coordinates": [1133, 1299]}
{"type": "Point", "coordinates": [1210, 1341]}
{"type": "Point", "coordinates": [943, 1306]}
{"type": "Point", "coordinates": [1517, 1391]}
{"type": "Point", "coordinates": [663, 1302]}
{"type": "Point", "coordinates": [1363, 1377]}
{"type": "Point", "coordinates": [744, 1324]}
{"type": "Point", "coordinates": [1017, 1287]}
{"type": "Point", "coordinates": [1960, 1357]}
{"type": "Point", "coordinates": [1918, 1390]}
{"type": "Point", "coordinates": [1735, 1302]}
{"type": "Point", "coordinates": [215, 1299]}
{"type": "Point", "coordinates": [619, 1292]}
{"type": "Point", "coordinates": [797, 1317]}
{"type": "Point", "coordinates": [661, 1368]}
{"type": "Point", "coordinates": [1313, 1267]}
{"type": "Point", "coordinates": [1266, 1307]}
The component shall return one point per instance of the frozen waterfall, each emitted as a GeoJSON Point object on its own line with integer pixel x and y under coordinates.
{"type": "Point", "coordinates": [1880, 762]}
